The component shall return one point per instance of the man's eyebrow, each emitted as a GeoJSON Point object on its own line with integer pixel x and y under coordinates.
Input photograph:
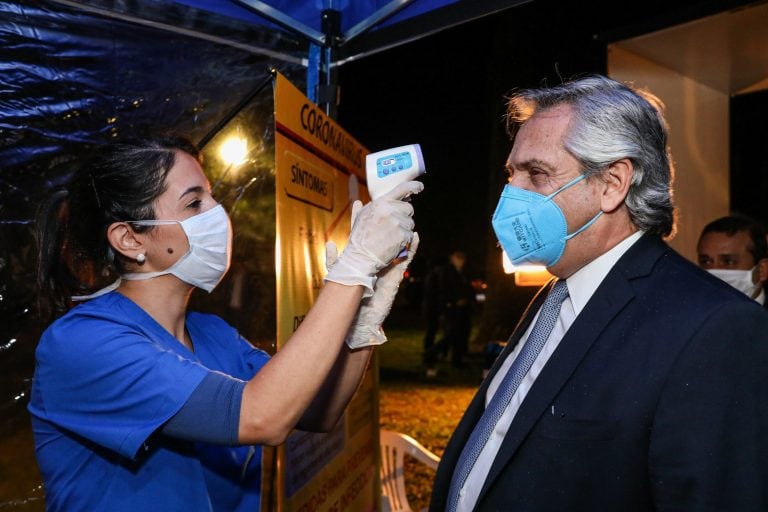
{"type": "Point", "coordinates": [192, 190]}
{"type": "Point", "coordinates": [530, 164]}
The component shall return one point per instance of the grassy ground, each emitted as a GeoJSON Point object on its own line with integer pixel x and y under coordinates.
{"type": "Point", "coordinates": [426, 409]}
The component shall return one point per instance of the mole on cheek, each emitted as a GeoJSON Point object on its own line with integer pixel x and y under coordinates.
{"type": "Point", "coordinates": [170, 251]}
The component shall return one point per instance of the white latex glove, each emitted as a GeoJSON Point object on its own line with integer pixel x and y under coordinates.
{"type": "Point", "coordinates": [366, 328]}
{"type": "Point", "coordinates": [380, 231]}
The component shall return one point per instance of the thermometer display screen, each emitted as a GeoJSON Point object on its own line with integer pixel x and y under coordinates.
{"type": "Point", "coordinates": [392, 164]}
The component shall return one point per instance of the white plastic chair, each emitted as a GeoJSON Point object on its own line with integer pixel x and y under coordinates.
{"type": "Point", "coordinates": [394, 446]}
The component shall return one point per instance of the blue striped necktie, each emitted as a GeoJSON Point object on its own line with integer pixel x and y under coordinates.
{"type": "Point", "coordinates": [498, 404]}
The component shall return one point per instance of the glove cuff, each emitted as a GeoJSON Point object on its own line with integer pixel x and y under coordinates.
{"type": "Point", "coordinates": [365, 336]}
{"type": "Point", "coordinates": [352, 269]}
{"type": "Point", "coordinates": [367, 284]}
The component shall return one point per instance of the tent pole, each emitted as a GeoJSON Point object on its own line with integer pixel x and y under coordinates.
{"type": "Point", "coordinates": [313, 71]}
{"type": "Point", "coordinates": [328, 90]}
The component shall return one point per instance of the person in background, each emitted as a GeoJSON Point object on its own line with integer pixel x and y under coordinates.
{"type": "Point", "coordinates": [635, 381]}
{"type": "Point", "coordinates": [431, 312]}
{"type": "Point", "coordinates": [456, 299]}
{"type": "Point", "coordinates": [138, 403]}
{"type": "Point", "coordinates": [734, 249]}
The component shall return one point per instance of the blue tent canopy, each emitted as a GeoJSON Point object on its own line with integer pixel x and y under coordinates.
{"type": "Point", "coordinates": [81, 71]}
{"type": "Point", "coordinates": [328, 33]}
{"type": "Point", "coordinates": [298, 16]}
{"type": "Point", "coordinates": [356, 20]}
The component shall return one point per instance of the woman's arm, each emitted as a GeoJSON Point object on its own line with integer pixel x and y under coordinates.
{"type": "Point", "coordinates": [313, 363]}
{"type": "Point", "coordinates": [278, 395]}
{"type": "Point", "coordinates": [337, 390]}
{"type": "Point", "coordinates": [363, 335]}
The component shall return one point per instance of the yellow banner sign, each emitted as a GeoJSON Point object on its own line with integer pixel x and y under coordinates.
{"type": "Point", "coordinates": [299, 119]}
{"type": "Point", "coordinates": [308, 182]}
{"type": "Point", "coordinates": [319, 168]}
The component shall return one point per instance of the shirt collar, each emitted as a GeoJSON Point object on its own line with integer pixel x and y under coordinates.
{"type": "Point", "coordinates": [584, 282]}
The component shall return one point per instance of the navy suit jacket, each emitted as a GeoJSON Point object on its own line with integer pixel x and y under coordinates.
{"type": "Point", "coordinates": [655, 399]}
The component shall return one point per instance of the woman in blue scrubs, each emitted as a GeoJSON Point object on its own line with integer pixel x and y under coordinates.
{"type": "Point", "coordinates": [140, 404]}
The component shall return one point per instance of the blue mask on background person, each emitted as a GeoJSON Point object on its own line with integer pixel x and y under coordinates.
{"type": "Point", "coordinates": [531, 227]}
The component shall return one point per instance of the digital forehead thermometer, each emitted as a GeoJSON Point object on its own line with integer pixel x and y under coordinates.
{"type": "Point", "coordinates": [384, 170]}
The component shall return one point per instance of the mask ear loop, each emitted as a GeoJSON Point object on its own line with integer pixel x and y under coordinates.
{"type": "Point", "coordinates": [585, 226]}
{"type": "Point", "coordinates": [153, 222]}
{"type": "Point", "coordinates": [140, 258]}
{"type": "Point", "coordinates": [566, 187]}
{"type": "Point", "coordinates": [103, 291]}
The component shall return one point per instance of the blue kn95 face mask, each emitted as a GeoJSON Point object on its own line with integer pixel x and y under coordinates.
{"type": "Point", "coordinates": [531, 227]}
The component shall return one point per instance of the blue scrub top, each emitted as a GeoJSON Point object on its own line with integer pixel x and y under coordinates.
{"type": "Point", "coordinates": [107, 376]}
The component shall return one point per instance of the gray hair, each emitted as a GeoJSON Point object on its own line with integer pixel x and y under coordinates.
{"type": "Point", "coordinates": [612, 121]}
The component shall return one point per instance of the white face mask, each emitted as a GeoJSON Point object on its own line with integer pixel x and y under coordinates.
{"type": "Point", "coordinates": [210, 249]}
{"type": "Point", "coordinates": [739, 279]}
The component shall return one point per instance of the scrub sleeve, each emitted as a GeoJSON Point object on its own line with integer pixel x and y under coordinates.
{"type": "Point", "coordinates": [232, 473]}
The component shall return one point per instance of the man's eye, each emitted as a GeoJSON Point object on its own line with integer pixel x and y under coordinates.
{"type": "Point", "coordinates": [538, 177]}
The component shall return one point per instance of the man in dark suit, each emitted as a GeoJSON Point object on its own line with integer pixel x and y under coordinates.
{"type": "Point", "coordinates": [642, 382]}
{"type": "Point", "coordinates": [734, 249]}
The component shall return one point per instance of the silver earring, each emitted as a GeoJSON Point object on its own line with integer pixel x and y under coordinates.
{"type": "Point", "coordinates": [140, 258]}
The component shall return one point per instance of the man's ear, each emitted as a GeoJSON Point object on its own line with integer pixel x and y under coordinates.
{"type": "Point", "coordinates": [123, 239]}
{"type": "Point", "coordinates": [617, 177]}
{"type": "Point", "coordinates": [762, 270]}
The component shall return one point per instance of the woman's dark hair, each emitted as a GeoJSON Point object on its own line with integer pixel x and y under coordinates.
{"type": "Point", "coordinates": [120, 181]}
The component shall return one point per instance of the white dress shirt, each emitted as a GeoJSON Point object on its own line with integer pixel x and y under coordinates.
{"type": "Point", "coordinates": [581, 286]}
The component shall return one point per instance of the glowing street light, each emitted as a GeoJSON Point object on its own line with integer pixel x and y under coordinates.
{"type": "Point", "coordinates": [525, 275]}
{"type": "Point", "coordinates": [234, 151]}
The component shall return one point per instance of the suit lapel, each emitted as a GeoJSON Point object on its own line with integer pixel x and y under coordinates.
{"type": "Point", "coordinates": [607, 302]}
